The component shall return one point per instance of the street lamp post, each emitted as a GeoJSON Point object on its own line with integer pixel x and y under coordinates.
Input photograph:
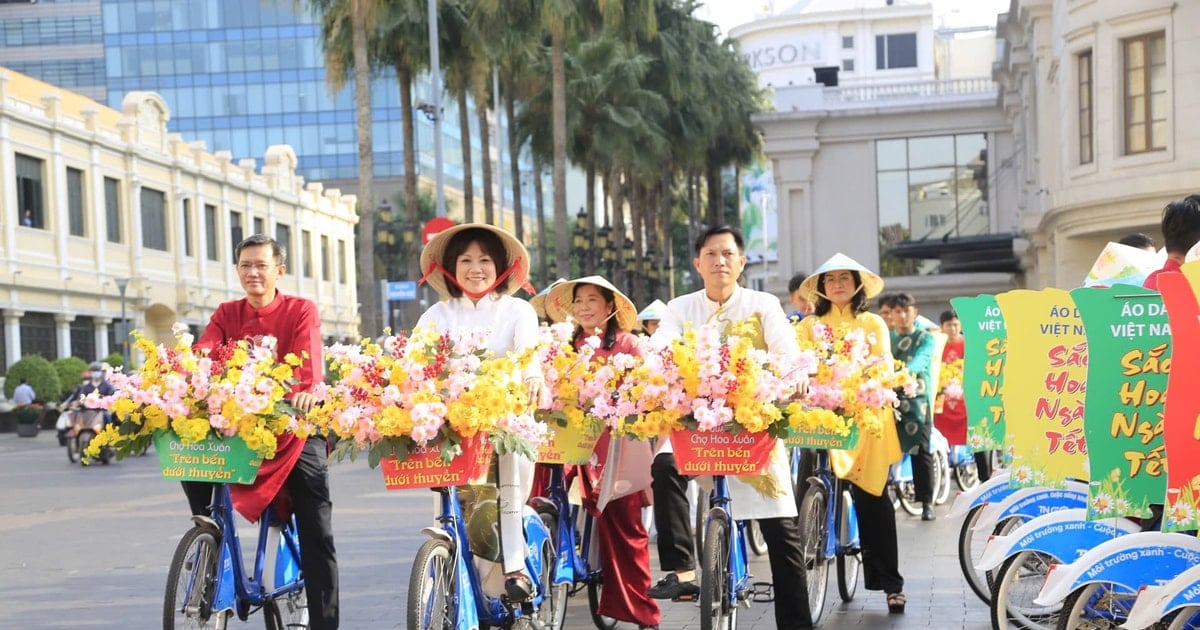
{"type": "Point", "coordinates": [583, 244]}
{"type": "Point", "coordinates": [122, 284]}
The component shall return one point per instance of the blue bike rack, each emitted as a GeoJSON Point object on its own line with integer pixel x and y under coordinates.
{"type": "Point", "coordinates": [1028, 503]}
{"type": "Point", "coordinates": [1065, 534]}
{"type": "Point", "coordinates": [1130, 562]}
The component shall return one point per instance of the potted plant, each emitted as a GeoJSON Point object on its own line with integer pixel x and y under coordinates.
{"type": "Point", "coordinates": [43, 378]}
{"type": "Point", "coordinates": [27, 419]}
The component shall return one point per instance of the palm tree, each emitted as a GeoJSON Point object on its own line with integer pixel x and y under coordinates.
{"type": "Point", "coordinates": [458, 47]}
{"type": "Point", "coordinates": [354, 16]}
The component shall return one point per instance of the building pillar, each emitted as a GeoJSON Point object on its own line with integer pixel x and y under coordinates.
{"type": "Point", "coordinates": [62, 327]}
{"type": "Point", "coordinates": [101, 335]}
{"type": "Point", "coordinates": [12, 335]}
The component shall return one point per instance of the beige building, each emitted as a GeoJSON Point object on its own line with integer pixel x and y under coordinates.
{"type": "Point", "coordinates": [881, 150]}
{"type": "Point", "coordinates": [1101, 101]}
{"type": "Point", "coordinates": [97, 200]}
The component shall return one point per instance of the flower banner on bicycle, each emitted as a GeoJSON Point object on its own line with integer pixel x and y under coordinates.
{"type": "Point", "coordinates": [219, 460]}
{"type": "Point", "coordinates": [570, 444]}
{"type": "Point", "coordinates": [721, 453]}
{"type": "Point", "coordinates": [822, 437]}
{"type": "Point", "coordinates": [424, 466]}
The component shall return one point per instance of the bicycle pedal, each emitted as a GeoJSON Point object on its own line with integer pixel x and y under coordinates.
{"type": "Point", "coordinates": [763, 592]}
{"type": "Point", "coordinates": [686, 598]}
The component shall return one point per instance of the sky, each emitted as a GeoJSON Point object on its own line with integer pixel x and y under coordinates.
{"type": "Point", "coordinates": [730, 13]}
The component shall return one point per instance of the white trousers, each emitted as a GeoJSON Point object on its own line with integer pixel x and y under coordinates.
{"type": "Point", "coordinates": [516, 482]}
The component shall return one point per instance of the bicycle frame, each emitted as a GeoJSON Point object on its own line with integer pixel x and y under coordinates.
{"type": "Point", "coordinates": [571, 566]}
{"type": "Point", "coordinates": [840, 519]}
{"type": "Point", "coordinates": [471, 605]}
{"type": "Point", "coordinates": [233, 587]}
{"type": "Point", "coordinates": [739, 577]}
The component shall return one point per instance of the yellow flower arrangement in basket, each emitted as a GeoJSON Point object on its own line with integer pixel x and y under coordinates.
{"type": "Point", "coordinates": [233, 390]}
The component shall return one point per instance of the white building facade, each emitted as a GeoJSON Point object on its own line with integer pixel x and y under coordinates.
{"type": "Point", "coordinates": [896, 165]}
{"type": "Point", "coordinates": [1101, 102]}
{"type": "Point", "coordinates": [105, 211]}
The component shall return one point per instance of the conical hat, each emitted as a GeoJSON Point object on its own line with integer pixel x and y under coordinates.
{"type": "Point", "coordinates": [538, 302]}
{"type": "Point", "coordinates": [517, 255]}
{"type": "Point", "coordinates": [872, 283]}
{"type": "Point", "coordinates": [1121, 264]}
{"type": "Point", "coordinates": [655, 310]}
{"type": "Point", "coordinates": [562, 296]}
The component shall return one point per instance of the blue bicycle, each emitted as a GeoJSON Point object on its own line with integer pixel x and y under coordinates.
{"type": "Point", "coordinates": [445, 590]}
{"type": "Point", "coordinates": [724, 575]}
{"type": "Point", "coordinates": [208, 581]}
{"type": "Point", "coordinates": [576, 565]}
{"type": "Point", "coordinates": [828, 531]}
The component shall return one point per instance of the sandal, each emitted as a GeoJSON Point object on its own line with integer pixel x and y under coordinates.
{"type": "Point", "coordinates": [518, 588]}
{"type": "Point", "coordinates": [896, 602]}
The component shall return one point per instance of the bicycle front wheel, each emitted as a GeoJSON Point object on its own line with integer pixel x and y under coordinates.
{"type": "Point", "coordinates": [188, 601]}
{"type": "Point", "coordinates": [941, 478]}
{"type": "Point", "coordinates": [1016, 586]}
{"type": "Point", "coordinates": [813, 536]}
{"type": "Point", "coordinates": [849, 560]}
{"type": "Point", "coordinates": [595, 587]}
{"type": "Point", "coordinates": [553, 612]}
{"type": "Point", "coordinates": [717, 606]}
{"type": "Point", "coordinates": [1097, 606]}
{"type": "Point", "coordinates": [431, 587]}
{"type": "Point", "coordinates": [289, 612]}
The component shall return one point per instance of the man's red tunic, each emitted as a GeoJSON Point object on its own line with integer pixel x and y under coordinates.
{"type": "Point", "coordinates": [296, 326]}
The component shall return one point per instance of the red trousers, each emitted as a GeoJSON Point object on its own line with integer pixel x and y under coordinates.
{"type": "Point", "coordinates": [625, 561]}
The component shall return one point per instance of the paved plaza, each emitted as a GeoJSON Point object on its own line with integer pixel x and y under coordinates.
{"type": "Point", "coordinates": [89, 548]}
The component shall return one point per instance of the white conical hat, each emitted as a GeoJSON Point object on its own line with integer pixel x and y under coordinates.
{"type": "Point", "coordinates": [517, 255]}
{"type": "Point", "coordinates": [872, 283]}
{"type": "Point", "coordinates": [655, 310]}
{"type": "Point", "coordinates": [538, 302]}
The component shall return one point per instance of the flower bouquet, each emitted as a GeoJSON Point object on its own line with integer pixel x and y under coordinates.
{"type": "Point", "coordinates": [424, 397]}
{"type": "Point", "coordinates": [572, 432]}
{"type": "Point", "coordinates": [850, 386]}
{"type": "Point", "coordinates": [716, 393]}
{"type": "Point", "coordinates": [950, 389]}
{"type": "Point", "coordinates": [206, 411]}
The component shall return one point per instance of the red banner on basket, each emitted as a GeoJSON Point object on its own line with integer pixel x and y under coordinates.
{"type": "Point", "coordinates": [424, 468]}
{"type": "Point", "coordinates": [721, 453]}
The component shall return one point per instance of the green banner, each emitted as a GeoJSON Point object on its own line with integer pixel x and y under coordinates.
{"type": "Point", "coordinates": [226, 460]}
{"type": "Point", "coordinates": [985, 346]}
{"type": "Point", "coordinates": [1129, 347]}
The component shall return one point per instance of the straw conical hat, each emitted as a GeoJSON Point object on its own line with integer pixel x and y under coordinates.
{"type": "Point", "coordinates": [517, 255]}
{"type": "Point", "coordinates": [872, 283]}
{"type": "Point", "coordinates": [558, 304]}
{"type": "Point", "coordinates": [538, 302]}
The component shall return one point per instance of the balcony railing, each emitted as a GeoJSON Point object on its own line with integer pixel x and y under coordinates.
{"type": "Point", "coordinates": [818, 97]}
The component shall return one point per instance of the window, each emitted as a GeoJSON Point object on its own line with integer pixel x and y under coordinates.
{"type": "Point", "coordinates": [847, 65]}
{"type": "Point", "coordinates": [112, 209]}
{"type": "Point", "coordinates": [75, 202]}
{"type": "Point", "coordinates": [325, 258]}
{"type": "Point", "coordinates": [896, 51]}
{"type": "Point", "coordinates": [306, 260]}
{"type": "Point", "coordinates": [154, 219]}
{"type": "Point", "coordinates": [210, 232]}
{"type": "Point", "coordinates": [283, 236]}
{"type": "Point", "coordinates": [259, 227]}
{"type": "Point", "coordinates": [1084, 67]}
{"type": "Point", "coordinates": [235, 232]}
{"type": "Point", "coordinates": [30, 192]}
{"type": "Point", "coordinates": [847, 42]}
{"type": "Point", "coordinates": [929, 188]}
{"type": "Point", "coordinates": [185, 207]}
{"type": "Point", "coordinates": [39, 334]}
{"type": "Point", "coordinates": [1145, 93]}
{"type": "Point", "coordinates": [341, 262]}
{"type": "Point", "coordinates": [83, 337]}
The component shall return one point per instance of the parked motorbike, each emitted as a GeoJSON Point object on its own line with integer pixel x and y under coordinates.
{"type": "Point", "coordinates": [83, 425]}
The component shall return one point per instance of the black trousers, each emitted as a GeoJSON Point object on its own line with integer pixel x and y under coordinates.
{"type": "Point", "coordinates": [922, 467]}
{"type": "Point", "coordinates": [308, 484]}
{"type": "Point", "coordinates": [877, 536]}
{"type": "Point", "coordinates": [673, 520]}
{"type": "Point", "coordinates": [983, 465]}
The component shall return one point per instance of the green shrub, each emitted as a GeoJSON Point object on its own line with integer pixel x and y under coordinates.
{"type": "Point", "coordinates": [114, 360]}
{"type": "Point", "coordinates": [69, 369]}
{"type": "Point", "coordinates": [41, 375]}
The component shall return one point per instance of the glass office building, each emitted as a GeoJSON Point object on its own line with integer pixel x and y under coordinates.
{"type": "Point", "coordinates": [245, 74]}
